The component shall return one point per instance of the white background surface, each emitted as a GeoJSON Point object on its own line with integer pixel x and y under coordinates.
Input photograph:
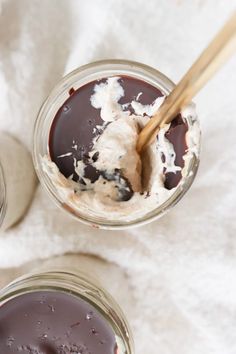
{"type": "Point", "coordinates": [182, 268]}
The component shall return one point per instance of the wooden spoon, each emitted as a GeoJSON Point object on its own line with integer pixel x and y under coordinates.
{"type": "Point", "coordinates": [222, 46]}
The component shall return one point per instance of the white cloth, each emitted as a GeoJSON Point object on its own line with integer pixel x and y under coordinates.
{"type": "Point", "coordinates": [182, 268]}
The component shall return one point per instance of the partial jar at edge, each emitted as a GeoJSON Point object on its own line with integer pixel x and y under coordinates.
{"type": "Point", "coordinates": [56, 277]}
{"type": "Point", "coordinates": [17, 180]}
{"type": "Point", "coordinates": [77, 79]}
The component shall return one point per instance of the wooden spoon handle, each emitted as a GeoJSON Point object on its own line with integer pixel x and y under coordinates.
{"type": "Point", "coordinates": [200, 72]}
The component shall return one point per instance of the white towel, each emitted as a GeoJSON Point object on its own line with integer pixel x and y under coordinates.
{"type": "Point", "coordinates": [181, 268]}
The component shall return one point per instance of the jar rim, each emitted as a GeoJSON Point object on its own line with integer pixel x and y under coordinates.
{"type": "Point", "coordinates": [3, 204]}
{"type": "Point", "coordinates": [86, 74]}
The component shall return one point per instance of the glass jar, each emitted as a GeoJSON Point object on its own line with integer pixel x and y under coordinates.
{"type": "Point", "coordinates": [2, 196]}
{"type": "Point", "coordinates": [77, 79]}
{"type": "Point", "coordinates": [17, 180]}
{"type": "Point", "coordinates": [73, 283]}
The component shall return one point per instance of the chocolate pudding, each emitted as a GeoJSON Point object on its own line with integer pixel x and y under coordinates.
{"type": "Point", "coordinates": [91, 161]}
{"type": "Point", "coordinates": [54, 322]}
{"type": "Point", "coordinates": [78, 123]}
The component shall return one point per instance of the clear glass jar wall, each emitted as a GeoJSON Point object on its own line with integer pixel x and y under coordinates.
{"type": "Point", "coordinates": [77, 79]}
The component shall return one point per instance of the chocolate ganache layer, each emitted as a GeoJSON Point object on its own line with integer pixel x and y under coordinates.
{"type": "Point", "coordinates": [77, 123]}
{"type": "Point", "coordinates": [53, 322]}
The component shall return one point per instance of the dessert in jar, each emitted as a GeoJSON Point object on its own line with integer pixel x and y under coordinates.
{"type": "Point", "coordinates": [85, 145]}
{"type": "Point", "coordinates": [62, 311]}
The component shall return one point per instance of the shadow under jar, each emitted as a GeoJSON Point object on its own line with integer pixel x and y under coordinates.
{"type": "Point", "coordinates": [61, 312]}
{"type": "Point", "coordinates": [85, 145]}
{"type": "Point", "coordinates": [17, 180]}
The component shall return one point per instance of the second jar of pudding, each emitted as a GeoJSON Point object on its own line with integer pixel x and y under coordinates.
{"type": "Point", "coordinates": [85, 145]}
{"type": "Point", "coordinates": [57, 309]}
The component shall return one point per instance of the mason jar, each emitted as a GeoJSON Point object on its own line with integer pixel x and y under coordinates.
{"type": "Point", "coordinates": [2, 196]}
{"type": "Point", "coordinates": [17, 180]}
{"type": "Point", "coordinates": [79, 78]}
{"type": "Point", "coordinates": [61, 308]}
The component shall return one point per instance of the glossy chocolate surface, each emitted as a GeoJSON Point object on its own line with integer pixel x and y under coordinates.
{"type": "Point", "coordinates": [77, 123]}
{"type": "Point", "coordinates": [50, 322]}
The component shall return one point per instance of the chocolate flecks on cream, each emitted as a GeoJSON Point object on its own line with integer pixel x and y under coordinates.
{"type": "Point", "coordinates": [50, 322]}
{"type": "Point", "coordinates": [77, 123]}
